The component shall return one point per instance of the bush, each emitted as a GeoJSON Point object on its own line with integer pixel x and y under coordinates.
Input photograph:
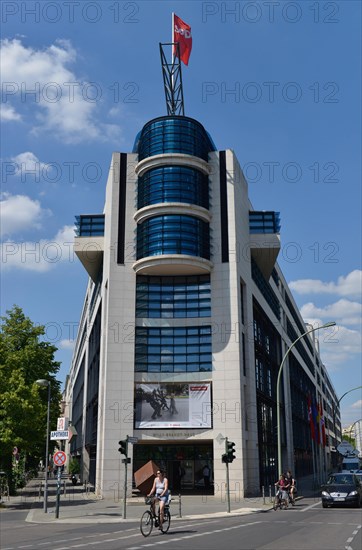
{"type": "Point", "coordinates": [74, 466]}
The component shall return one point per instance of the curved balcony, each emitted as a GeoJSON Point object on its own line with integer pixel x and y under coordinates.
{"type": "Point", "coordinates": [172, 208]}
{"type": "Point", "coordinates": [172, 264]}
{"type": "Point", "coordinates": [172, 159]}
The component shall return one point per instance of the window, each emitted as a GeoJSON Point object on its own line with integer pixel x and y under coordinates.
{"type": "Point", "coordinates": [173, 297]}
{"type": "Point", "coordinates": [177, 349]}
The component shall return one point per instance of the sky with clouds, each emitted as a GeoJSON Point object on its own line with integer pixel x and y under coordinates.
{"type": "Point", "coordinates": [277, 82]}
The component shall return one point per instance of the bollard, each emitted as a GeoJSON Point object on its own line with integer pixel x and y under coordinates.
{"type": "Point", "coordinates": [263, 493]}
{"type": "Point", "coordinates": [65, 488]}
{"type": "Point", "coordinates": [179, 505]}
{"type": "Point", "coordinates": [270, 493]}
{"type": "Point", "coordinates": [40, 489]}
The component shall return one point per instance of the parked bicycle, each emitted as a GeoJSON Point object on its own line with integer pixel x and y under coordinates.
{"type": "Point", "coordinates": [150, 519]}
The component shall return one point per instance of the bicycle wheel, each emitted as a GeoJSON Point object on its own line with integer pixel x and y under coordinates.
{"type": "Point", "coordinates": [146, 525]}
{"type": "Point", "coordinates": [276, 504]}
{"type": "Point", "coordinates": [166, 521]}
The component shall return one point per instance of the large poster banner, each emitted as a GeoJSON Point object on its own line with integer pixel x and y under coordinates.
{"type": "Point", "coordinates": [181, 405]}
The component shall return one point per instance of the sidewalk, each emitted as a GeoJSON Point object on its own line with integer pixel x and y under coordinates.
{"type": "Point", "coordinates": [76, 506]}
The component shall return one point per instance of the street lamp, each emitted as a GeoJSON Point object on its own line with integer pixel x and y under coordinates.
{"type": "Point", "coordinates": [43, 382]}
{"type": "Point", "coordinates": [330, 324]}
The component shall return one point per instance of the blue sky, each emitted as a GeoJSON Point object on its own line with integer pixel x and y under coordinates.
{"type": "Point", "coordinates": [277, 82]}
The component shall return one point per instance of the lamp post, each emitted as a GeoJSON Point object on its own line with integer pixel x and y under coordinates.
{"type": "Point", "coordinates": [338, 402]}
{"type": "Point", "coordinates": [42, 382]}
{"type": "Point", "coordinates": [330, 324]}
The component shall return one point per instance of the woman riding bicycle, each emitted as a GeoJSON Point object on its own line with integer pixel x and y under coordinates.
{"type": "Point", "coordinates": [160, 489]}
{"type": "Point", "coordinates": [283, 485]}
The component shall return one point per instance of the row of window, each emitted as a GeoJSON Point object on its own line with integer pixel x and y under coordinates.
{"type": "Point", "coordinates": [173, 184]}
{"type": "Point", "coordinates": [175, 349]}
{"type": "Point", "coordinates": [173, 297]}
{"type": "Point", "coordinates": [173, 235]}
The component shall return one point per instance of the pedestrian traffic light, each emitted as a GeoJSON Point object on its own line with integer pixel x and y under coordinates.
{"type": "Point", "coordinates": [123, 447]}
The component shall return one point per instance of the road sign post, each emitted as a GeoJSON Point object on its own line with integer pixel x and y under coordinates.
{"type": "Point", "coordinates": [59, 459]}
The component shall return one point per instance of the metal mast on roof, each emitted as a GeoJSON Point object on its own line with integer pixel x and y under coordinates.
{"type": "Point", "coordinates": [172, 80]}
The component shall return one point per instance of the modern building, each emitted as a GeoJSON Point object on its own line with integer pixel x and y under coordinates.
{"type": "Point", "coordinates": [185, 321]}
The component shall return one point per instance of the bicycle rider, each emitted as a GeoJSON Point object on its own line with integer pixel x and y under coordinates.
{"type": "Point", "coordinates": [292, 485]}
{"type": "Point", "coordinates": [283, 485]}
{"type": "Point", "coordinates": [160, 489]}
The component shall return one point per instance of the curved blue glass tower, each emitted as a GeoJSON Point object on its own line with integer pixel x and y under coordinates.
{"type": "Point", "coordinates": [173, 234]}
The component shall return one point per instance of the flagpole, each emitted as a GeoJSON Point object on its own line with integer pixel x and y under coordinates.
{"type": "Point", "coordinates": [172, 47]}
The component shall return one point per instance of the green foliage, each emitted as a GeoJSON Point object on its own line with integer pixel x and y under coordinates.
{"type": "Point", "coordinates": [74, 466]}
{"type": "Point", "coordinates": [350, 440]}
{"type": "Point", "coordinates": [24, 358]}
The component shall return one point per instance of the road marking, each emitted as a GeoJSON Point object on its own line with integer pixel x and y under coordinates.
{"type": "Point", "coordinates": [195, 535]}
{"type": "Point", "coordinates": [309, 507]}
{"type": "Point", "coordinates": [350, 539]}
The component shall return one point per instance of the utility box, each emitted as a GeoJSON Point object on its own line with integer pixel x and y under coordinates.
{"type": "Point", "coordinates": [144, 477]}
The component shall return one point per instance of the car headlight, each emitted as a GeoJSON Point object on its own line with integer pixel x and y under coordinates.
{"type": "Point", "coordinates": [325, 494]}
{"type": "Point", "coordinates": [352, 493]}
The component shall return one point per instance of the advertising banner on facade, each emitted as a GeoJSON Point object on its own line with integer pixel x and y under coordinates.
{"type": "Point", "coordinates": [173, 405]}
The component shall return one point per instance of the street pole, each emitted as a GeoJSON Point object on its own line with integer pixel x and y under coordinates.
{"type": "Point", "coordinates": [125, 460]}
{"type": "Point", "coordinates": [331, 324]}
{"type": "Point", "coordinates": [43, 382]}
{"type": "Point", "coordinates": [227, 479]}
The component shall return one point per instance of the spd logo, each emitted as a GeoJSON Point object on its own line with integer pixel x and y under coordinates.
{"type": "Point", "coordinates": [183, 32]}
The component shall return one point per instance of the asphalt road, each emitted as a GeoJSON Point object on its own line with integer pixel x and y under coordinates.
{"type": "Point", "coordinates": [305, 527]}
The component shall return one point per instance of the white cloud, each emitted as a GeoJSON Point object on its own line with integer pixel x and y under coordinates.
{"type": "Point", "coordinates": [66, 344]}
{"type": "Point", "coordinates": [344, 311]}
{"type": "Point", "coordinates": [338, 345]}
{"type": "Point", "coordinates": [66, 104]}
{"type": "Point", "coordinates": [40, 256]}
{"type": "Point", "coordinates": [357, 405]}
{"type": "Point", "coordinates": [350, 285]}
{"type": "Point", "coordinates": [19, 212]}
{"type": "Point", "coordinates": [27, 164]}
{"type": "Point", "coordinates": [8, 113]}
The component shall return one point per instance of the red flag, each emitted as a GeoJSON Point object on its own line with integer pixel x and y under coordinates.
{"type": "Point", "coordinates": [310, 418]}
{"type": "Point", "coordinates": [182, 35]}
{"type": "Point", "coordinates": [323, 427]}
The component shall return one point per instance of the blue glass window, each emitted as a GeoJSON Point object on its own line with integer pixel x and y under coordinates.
{"type": "Point", "coordinates": [173, 235]}
{"type": "Point", "coordinates": [264, 222]}
{"type": "Point", "coordinates": [173, 297]}
{"type": "Point", "coordinates": [176, 349]}
{"type": "Point", "coordinates": [173, 184]}
{"type": "Point", "coordinates": [89, 225]}
{"type": "Point", "coordinates": [173, 135]}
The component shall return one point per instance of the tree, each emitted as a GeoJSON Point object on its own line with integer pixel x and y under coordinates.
{"type": "Point", "coordinates": [24, 358]}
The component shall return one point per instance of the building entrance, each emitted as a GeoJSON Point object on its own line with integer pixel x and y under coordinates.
{"type": "Point", "coordinates": [188, 467]}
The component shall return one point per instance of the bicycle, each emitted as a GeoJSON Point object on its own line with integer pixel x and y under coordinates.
{"type": "Point", "coordinates": [149, 518]}
{"type": "Point", "coordinates": [279, 502]}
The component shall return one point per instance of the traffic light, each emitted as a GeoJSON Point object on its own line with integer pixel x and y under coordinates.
{"type": "Point", "coordinates": [123, 447]}
{"type": "Point", "coordinates": [230, 451]}
{"type": "Point", "coordinates": [229, 454]}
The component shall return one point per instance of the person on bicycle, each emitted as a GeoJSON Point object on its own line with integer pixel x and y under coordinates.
{"type": "Point", "coordinates": [292, 485]}
{"type": "Point", "coordinates": [282, 486]}
{"type": "Point", "coordinates": [160, 490]}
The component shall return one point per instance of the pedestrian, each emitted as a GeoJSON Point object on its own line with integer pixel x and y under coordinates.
{"type": "Point", "coordinates": [206, 476]}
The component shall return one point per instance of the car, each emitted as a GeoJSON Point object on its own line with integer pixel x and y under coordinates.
{"type": "Point", "coordinates": [342, 489]}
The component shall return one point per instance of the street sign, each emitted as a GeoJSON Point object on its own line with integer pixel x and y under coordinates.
{"type": "Point", "coordinates": [59, 434]}
{"type": "Point", "coordinates": [62, 423]}
{"type": "Point", "coordinates": [132, 439]}
{"type": "Point", "coordinates": [59, 458]}
{"type": "Point", "coordinates": [345, 448]}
